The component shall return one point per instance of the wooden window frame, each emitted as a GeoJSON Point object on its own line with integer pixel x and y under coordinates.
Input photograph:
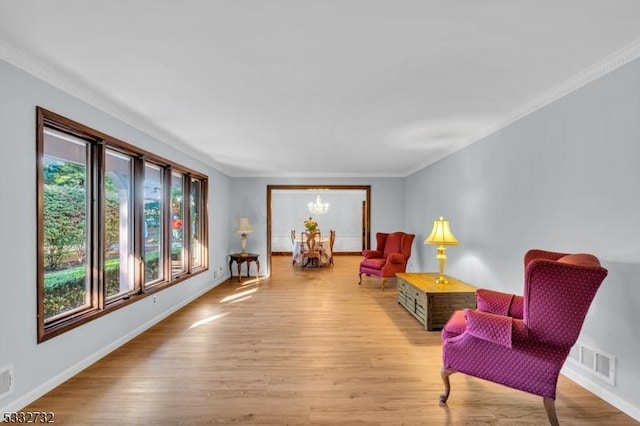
{"type": "Point", "coordinates": [99, 142]}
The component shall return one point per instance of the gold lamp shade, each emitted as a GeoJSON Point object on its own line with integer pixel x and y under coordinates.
{"type": "Point", "coordinates": [441, 235]}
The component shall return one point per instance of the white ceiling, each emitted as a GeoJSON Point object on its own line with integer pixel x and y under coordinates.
{"type": "Point", "coordinates": [319, 87]}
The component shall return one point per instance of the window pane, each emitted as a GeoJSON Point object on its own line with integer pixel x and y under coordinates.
{"type": "Point", "coordinates": [66, 277]}
{"type": "Point", "coordinates": [177, 228]}
{"type": "Point", "coordinates": [152, 233]}
{"type": "Point", "coordinates": [196, 224]}
{"type": "Point", "coordinates": [118, 228]}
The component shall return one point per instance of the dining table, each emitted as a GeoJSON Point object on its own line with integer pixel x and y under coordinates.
{"type": "Point", "coordinates": [297, 249]}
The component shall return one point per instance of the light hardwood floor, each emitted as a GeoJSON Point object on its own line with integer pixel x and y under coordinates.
{"type": "Point", "coordinates": [301, 347]}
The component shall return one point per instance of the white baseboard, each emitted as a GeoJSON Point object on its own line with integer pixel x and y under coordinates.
{"type": "Point", "coordinates": [577, 375]}
{"type": "Point", "coordinates": [56, 381]}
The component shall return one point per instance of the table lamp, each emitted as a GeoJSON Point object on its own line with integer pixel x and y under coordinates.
{"type": "Point", "coordinates": [244, 228]}
{"type": "Point", "coordinates": [442, 236]}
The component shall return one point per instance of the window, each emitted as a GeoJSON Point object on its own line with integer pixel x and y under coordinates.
{"type": "Point", "coordinates": [103, 235]}
{"type": "Point", "coordinates": [65, 266]}
{"type": "Point", "coordinates": [153, 224]}
{"type": "Point", "coordinates": [177, 224]}
{"type": "Point", "coordinates": [118, 225]}
{"type": "Point", "coordinates": [197, 231]}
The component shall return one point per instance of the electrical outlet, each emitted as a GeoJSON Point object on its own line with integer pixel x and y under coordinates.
{"type": "Point", "coordinates": [215, 274]}
{"type": "Point", "coordinates": [155, 299]}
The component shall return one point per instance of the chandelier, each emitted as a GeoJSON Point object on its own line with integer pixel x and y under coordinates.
{"type": "Point", "coordinates": [318, 207]}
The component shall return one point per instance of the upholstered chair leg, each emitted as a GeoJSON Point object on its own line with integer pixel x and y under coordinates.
{"type": "Point", "coordinates": [550, 408]}
{"type": "Point", "coordinates": [445, 373]}
{"type": "Point", "coordinates": [384, 280]}
{"type": "Point", "coordinates": [360, 280]}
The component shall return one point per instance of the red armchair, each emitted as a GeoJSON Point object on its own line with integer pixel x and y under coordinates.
{"type": "Point", "coordinates": [523, 341]}
{"type": "Point", "coordinates": [390, 256]}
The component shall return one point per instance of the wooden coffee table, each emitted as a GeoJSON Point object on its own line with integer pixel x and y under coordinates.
{"type": "Point", "coordinates": [432, 304]}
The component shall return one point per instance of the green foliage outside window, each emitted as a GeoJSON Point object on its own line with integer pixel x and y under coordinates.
{"type": "Point", "coordinates": [64, 226]}
{"type": "Point", "coordinates": [65, 290]}
{"type": "Point", "coordinates": [64, 214]}
{"type": "Point", "coordinates": [111, 215]}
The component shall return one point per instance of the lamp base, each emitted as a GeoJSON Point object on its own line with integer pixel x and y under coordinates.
{"type": "Point", "coordinates": [243, 244]}
{"type": "Point", "coordinates": [442, 280]}
{"type": "Point", "coordinates": [442, 260]}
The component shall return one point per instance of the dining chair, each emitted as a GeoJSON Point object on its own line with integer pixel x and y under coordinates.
{"type": "Point", "coordinates": [301, 246]}
{"type": "Point", "coordinates": [312, 253]}
{"type": "Point", "coordinates": [332, 239]}
{"type": "Point", "coordinates": [295, 248]}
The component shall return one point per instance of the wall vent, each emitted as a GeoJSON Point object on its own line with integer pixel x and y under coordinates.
{"type": "Point", "coordinates": [6, 380]}
{"type": "Point", "coordinates": [596, 362]}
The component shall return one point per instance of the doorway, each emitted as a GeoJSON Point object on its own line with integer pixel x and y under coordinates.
{"type": "Point", "coordinates": [312, 191]}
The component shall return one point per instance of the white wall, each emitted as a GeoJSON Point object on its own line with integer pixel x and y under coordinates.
{"type": "Point", "coordinates": [566, 179]}
{"type": "Point", "coordinates": [39, 367]}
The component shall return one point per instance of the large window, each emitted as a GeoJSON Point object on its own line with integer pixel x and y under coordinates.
{"type": "Point", "coordinates": [113, 226]}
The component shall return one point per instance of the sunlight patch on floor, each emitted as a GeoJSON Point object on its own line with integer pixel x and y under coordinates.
{"type": "Point", "coordinates": [240, 300]}
{"type": "Point", "coordinates": [208, 319]}
{"type": "Point", "coordinates": [239, 295]}
{"type": "Point", "coordinates": [253, 281]}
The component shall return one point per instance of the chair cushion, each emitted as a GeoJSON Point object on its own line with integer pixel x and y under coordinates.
{"type": "Point", "coordinates": [373, 263]}
{"type": "Point", "coordinates": [490, 327]}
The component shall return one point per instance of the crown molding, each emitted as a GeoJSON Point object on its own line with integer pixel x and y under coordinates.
{"type": "Point", "coordinates": [594, 72]}
{"type": "Point", "coordinates": [82, 92]}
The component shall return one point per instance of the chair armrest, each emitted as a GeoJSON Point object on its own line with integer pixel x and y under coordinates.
{"type": "Point", "coordinates": [395, 258]}
{"type": "Point", "coordinates": [372, 254]}
{"type": "Point", "coordinates": [494, 302]}
{"type": "Point", "coordinates": [490, 327]}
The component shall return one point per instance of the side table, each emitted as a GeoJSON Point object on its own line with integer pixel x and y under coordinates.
{"type": "Point", "coordinates": [432, 304]}
{"type": "Point", "coordinates": [240, 258]}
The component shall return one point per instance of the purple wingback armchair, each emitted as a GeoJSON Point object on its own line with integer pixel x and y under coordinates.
{"type": "Point", "coordinates": [523, 341]}
{"type": "Point", "coordinates": [390, 256]}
